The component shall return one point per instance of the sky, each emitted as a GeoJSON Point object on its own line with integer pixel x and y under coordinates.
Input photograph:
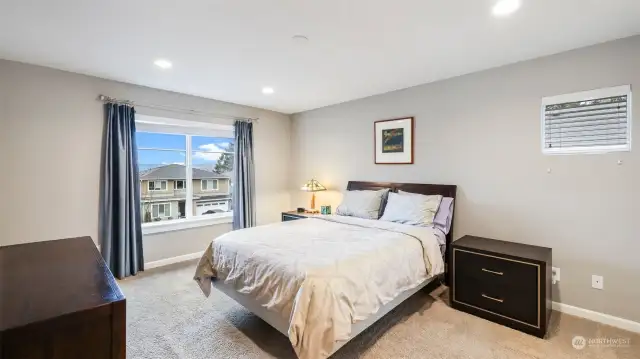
{"type": "Point", "coordinates": [207, 150]}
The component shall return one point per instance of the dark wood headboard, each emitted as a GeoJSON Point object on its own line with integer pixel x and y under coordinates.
{"type": "Point", "coordinates": [444, 190]}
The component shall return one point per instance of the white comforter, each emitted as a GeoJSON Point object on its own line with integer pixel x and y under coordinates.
{"type": "Point", "coordinates": [323, 274]}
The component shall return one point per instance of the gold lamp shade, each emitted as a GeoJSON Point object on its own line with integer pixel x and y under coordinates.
{"type": "Point", "coordinates": [313, 186]}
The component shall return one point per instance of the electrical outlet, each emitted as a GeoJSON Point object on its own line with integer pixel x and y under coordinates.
{"type": "Point", "coordinates": [597, 281]}
{"type": "Point", "coordinates": [555, 275]}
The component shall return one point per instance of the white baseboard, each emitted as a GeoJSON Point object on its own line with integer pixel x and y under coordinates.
{"type": "Point", "coordinates": [172, 260]}
{"type": "Point", "coordinates": [607, 319]}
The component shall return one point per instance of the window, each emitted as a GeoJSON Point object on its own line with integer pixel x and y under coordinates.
{"type": "Point", "coordinates": [157, 185]}
{"type": "Point", "coordinates": [587, 122]}
{"type": "Point", "coordinates": [209, 185]}
{"type": "Point", "coordinates": [189, 156]}
{"type": "Point", "coordinates": [160, 210]}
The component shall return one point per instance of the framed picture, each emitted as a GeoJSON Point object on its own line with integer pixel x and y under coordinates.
{"type": "Point", "coordinates": [394, 141]}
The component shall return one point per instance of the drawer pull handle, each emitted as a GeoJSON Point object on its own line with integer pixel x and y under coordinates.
{"type": "Point", "coordinates": [495, 299]}
{"type": "Point", "coordinates": [490, 271]}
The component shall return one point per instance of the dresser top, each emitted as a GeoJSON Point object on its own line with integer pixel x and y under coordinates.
{"type": "Point", "coordinates": [526, 251]}
{"type": "Point", "coordinates": [43, 280]}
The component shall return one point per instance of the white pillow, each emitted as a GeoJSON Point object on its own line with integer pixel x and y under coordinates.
{"type": "Point", "coordinates": [362, 204]}
{"type": "Point", "coordinates": [411, 208]}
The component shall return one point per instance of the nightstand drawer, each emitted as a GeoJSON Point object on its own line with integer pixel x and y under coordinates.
{"type": "Point", "coordinates": [496, 271]}
{"type": "Point", "coordinates": [509, 303]}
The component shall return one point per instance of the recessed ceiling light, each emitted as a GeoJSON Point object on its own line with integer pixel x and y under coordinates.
{"type": "Point", "coordinates": [267, 90]}
{"type": "Point", "coordinates": [506, 7]}
{"type": "Point", "coordinates": [300, 39]}
{"type": "Point", "coordinates": [163, 64]}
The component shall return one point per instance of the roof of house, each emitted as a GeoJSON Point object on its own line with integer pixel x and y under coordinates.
{"type": "Point", "coordinates": [177, 172]}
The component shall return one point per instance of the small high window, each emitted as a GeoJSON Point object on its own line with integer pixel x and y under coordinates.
{"type": "Point", "coordinates": [587, 122]}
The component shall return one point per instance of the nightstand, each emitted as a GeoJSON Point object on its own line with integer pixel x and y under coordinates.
{"type": "Point", "coordinates": [505, 282]}
{"type": "Point", "coordinates": [293, 215]}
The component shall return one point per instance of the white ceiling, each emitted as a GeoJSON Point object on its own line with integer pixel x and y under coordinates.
{"type": "Point", "coordinates": [228, 50]}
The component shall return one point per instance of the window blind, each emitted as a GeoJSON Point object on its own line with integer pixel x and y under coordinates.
{"type": "Point", "coordinates": [587, 125]}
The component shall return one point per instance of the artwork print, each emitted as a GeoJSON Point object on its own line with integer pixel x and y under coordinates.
{"type": "Point", "coordinates": [393, 140]}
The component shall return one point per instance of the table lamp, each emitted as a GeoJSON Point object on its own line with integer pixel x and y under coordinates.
{"type": "Point", "coordinates": [313, 186]}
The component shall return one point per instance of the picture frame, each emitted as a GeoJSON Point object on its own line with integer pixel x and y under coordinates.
{"type": "Point", "coordinates": [393, 141]}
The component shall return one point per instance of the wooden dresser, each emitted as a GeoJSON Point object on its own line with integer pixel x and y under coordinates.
{"type": "Point", "coordinates": [59, 301]}
{"type": "Point", "coordinates": [505, 282]}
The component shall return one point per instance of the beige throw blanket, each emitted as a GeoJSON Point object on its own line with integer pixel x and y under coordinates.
{"type": "Point", "coordinates": [323, 274]}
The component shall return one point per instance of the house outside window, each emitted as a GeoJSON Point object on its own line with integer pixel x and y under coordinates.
{"type": "Point", "coordinates": [209, 207]}
{"type": "Point", "coordinates": [161, 210]}
{"type": "Point", "coordinates": [157, 185]}
{"type": "Point", "coordinates": [209, 185]}
{"type": "Point", "coordinates": [181, 169]}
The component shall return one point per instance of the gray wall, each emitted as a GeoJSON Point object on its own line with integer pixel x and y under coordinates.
{"type": "Point", "coordinates": [52, 127]}
{"type": "Point", "coordinates": [482, 133]}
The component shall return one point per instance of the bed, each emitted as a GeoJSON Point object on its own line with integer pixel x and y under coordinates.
{"type": "Point", "coordinates": [322, 281]}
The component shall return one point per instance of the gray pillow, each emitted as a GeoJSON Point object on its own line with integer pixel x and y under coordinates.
{"type": "Point", "coordinates": [411, 208]}
{"type": "Point", "coordinates": [443, 217]}
{"type": "Point", "coordinates": [362, 204]}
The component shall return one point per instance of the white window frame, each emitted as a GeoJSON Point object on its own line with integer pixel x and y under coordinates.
{"type": "Point", "coordinates": [586, 96]}
{"type": "Point", "coordinates": [154, 124]}
{"type": "Point", "coordinates": [166, 185]}
{"type": "Point", "coordinates": [175, 184]}
{"type": "Point", "coordinates": [165, 205]}
{"type": "Point", "coordinates": [209, 189]}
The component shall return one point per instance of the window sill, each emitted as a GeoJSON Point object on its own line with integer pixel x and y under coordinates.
{"type": "Point", "coordinates": [180, 224]}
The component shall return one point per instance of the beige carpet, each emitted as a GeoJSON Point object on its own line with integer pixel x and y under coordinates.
{"type": "Point", "coordinates": [168, 317]}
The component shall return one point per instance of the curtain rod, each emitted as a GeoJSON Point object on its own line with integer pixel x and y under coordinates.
{"type": "Point", "coordinates": [108, 99]}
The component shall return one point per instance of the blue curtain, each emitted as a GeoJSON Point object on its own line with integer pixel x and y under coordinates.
{"type": "Point", "coordinates": [244, 188]}
{"type": "Point", "coordinates": [120, 224]}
